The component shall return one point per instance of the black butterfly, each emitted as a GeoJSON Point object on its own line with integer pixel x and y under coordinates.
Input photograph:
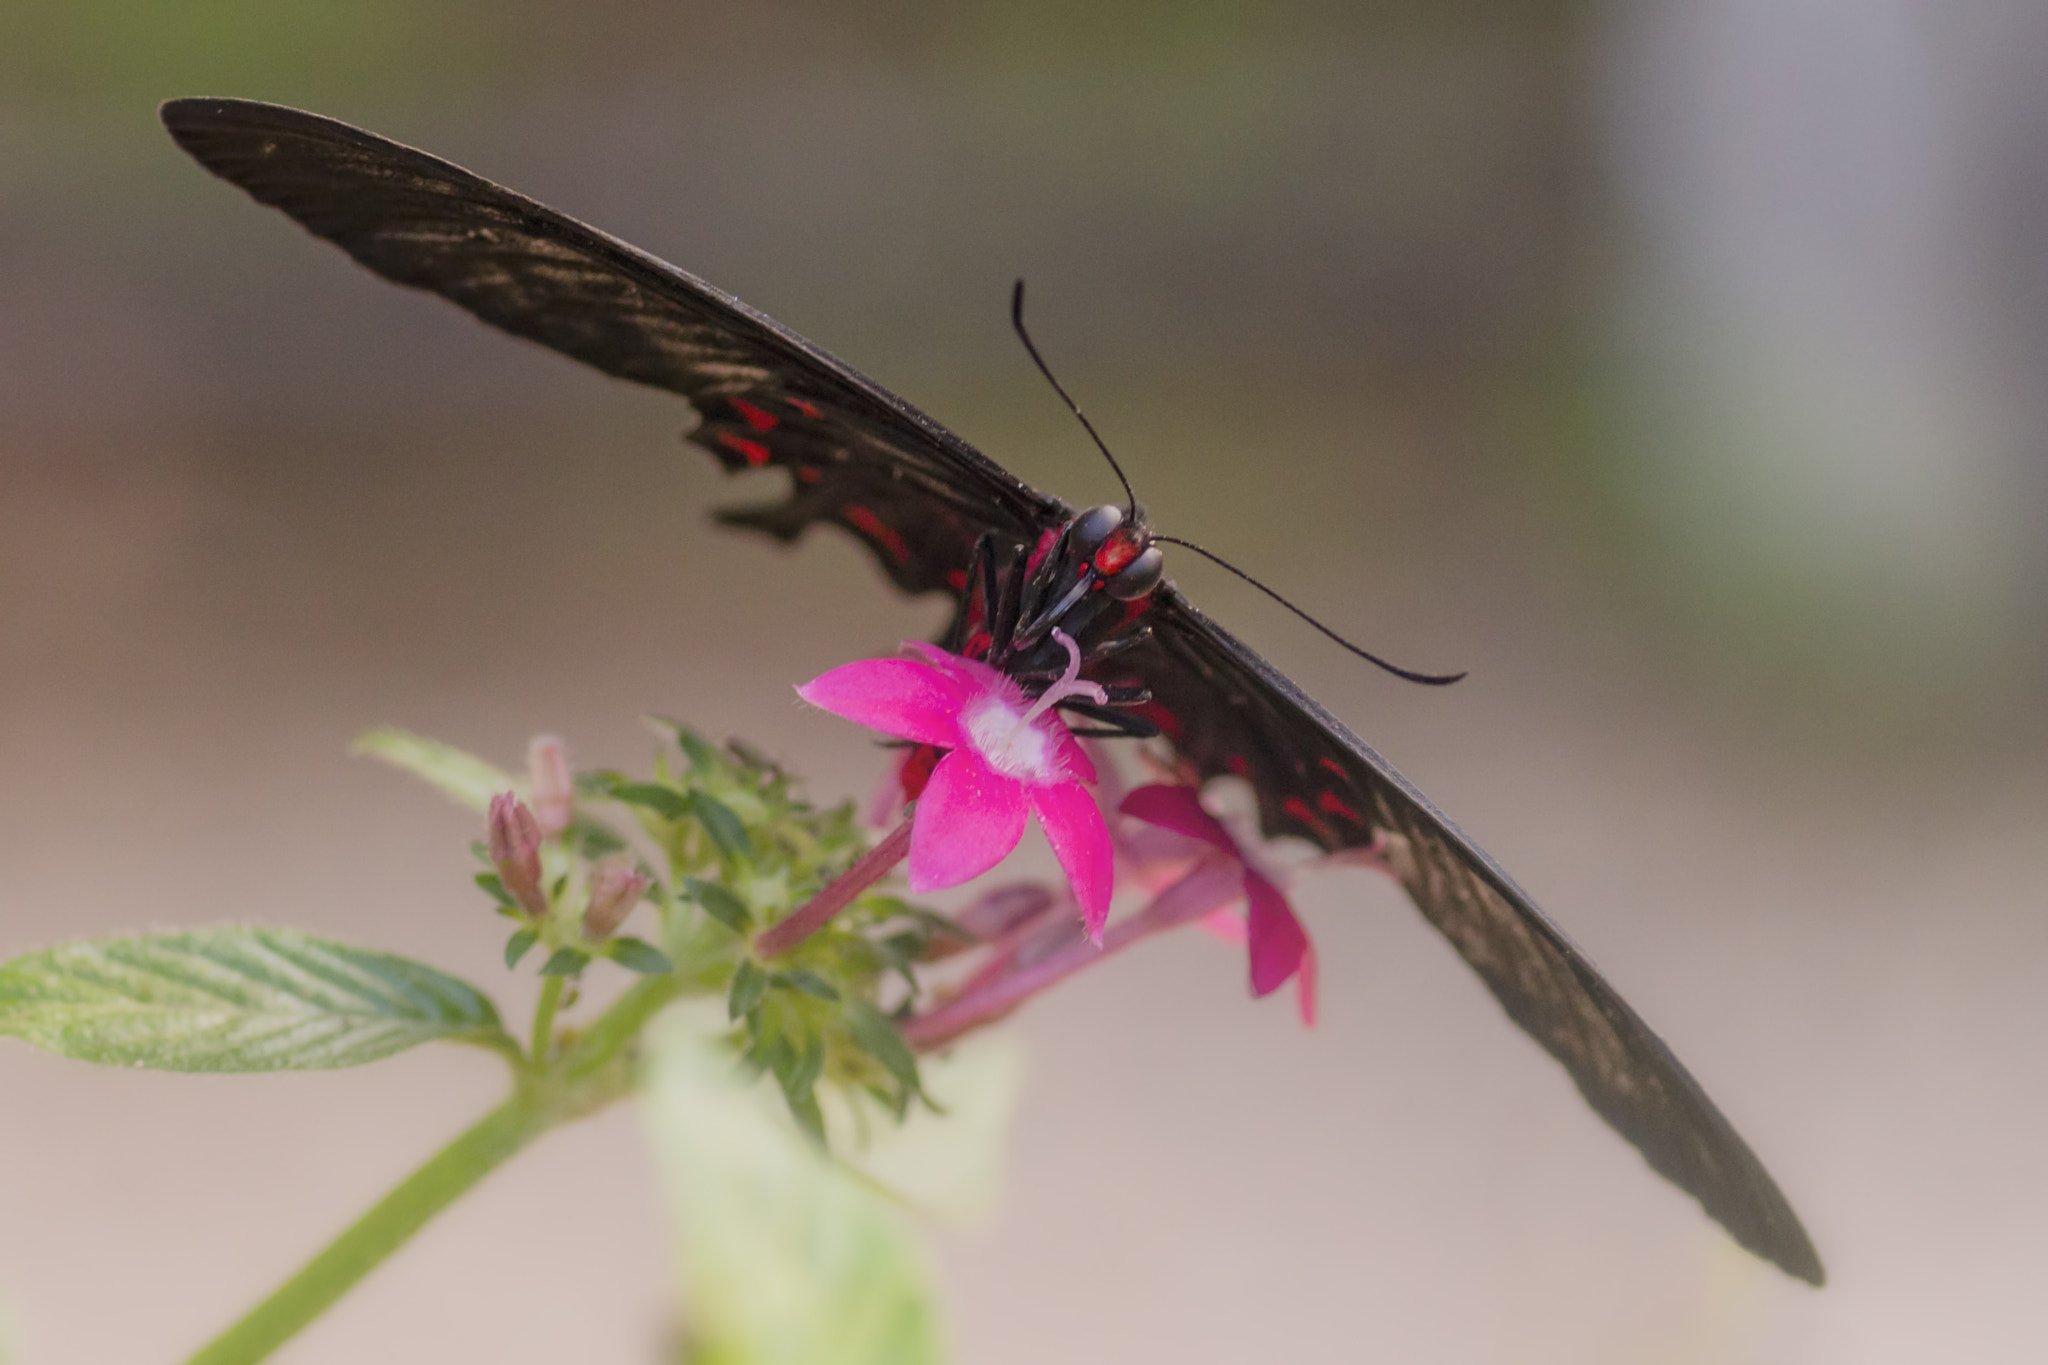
{"type": "Point", "coordinates": [935, 511]}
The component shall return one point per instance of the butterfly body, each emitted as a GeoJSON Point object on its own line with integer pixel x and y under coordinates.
{"type": "Point", "coordinates": [939, 516]}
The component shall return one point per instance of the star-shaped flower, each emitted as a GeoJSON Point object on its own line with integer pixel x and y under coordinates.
{"type": "Point", "coordinates": [1008, 757]}
{"type": "Point", "coordinates": [1277, 944]}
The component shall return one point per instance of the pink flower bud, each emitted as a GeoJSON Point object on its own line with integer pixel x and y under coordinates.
{"type": "Point", "coordinates": [515, 851]}
{"type": "Point", "coordinates": [547, 760]}
{"type": "Point", "coordinates": [616, 886]}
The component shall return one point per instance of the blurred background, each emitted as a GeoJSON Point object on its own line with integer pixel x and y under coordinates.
{"type": "Point", "coordinates": [1675, 366]}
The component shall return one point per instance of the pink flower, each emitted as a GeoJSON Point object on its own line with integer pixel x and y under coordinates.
{"type": "Point", "coordinates": [1008, 757]}
{"type": "Point", "coordinates": [1278, 946]}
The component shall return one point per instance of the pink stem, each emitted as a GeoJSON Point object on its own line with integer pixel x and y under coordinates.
{"type": "Point", "coordinates": [813, 914]}
{"type": "Point", "coordinates": [1214, 882]}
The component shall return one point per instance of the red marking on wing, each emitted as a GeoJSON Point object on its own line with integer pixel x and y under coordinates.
{"type": "Point", "coordinates": [1237, 765]}
{"type": "Point", "coordinates": [754, 451]}
{"type": "Point", "coordinates": [977, 645]}
{"type": "Point", "coordinates": [864, 520]}
{"type": "Point", "coordinates": [755, 417]}
{"type": "Point", "coordinates": [1168, 723]}
{"type": "Point", "coordinates": [806, 408]}
{"type": "Point", "coordinates": [917, 770]}
{"type": "Point", "coordinates": [806, 474]}
{"type": "Point", "coordinates": [1298, 808]}
{"type": "Point", "coordinates": [1334, 766]}
{"type": "Point", "coordinates": [956, 579]}
{"type": "Point", "coordinates": [1334, 804]}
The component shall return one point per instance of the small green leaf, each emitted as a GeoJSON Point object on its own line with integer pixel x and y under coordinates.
{"type": "Point", "coordinates": [565, 962]}
{"type": "Point", "coordinates": [666, 802]}
{"type": "Point", "coordinates": [721, 904]}
{"type": "Point", "coordinates": [462, 777]}
{"type": "Point", "coordinates": [810, 983]}
{"type": "Point", "coordinates": [240, 999]}
{"type": "Point", "coordinates": [722, 825]}
{"type": "Point", "coordinates": [881, 1040]}
{"type": "Point", "coordinates": [637, 955]}
{"type": "Point", "coordinates": [809, 1118]}
{"type": "Point", "coordinates": [703, 758]}
{"type": "Point", "coordinates": [516, 946]}
{"type": "Point", "coordinates": [494, 887]}
{"type": "Point", "coordinates": [748, 982]}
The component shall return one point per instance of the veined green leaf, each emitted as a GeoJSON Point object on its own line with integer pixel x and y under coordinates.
{"type": "Point", "coordinates": [785, 1258]}
{"type": "Point", "coordinates": [565, 962]}
{"type": "Point", "coordinates": [462, 777]}
{"type": "Point", "coordinates": [638, 955]}
{"type": "Point", "coordinates": [237, 999]}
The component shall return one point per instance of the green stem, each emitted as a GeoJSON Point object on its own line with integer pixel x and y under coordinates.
{"type": "Point", "coordinates": [544, 1018]}
{"type": "Point", "coordinates": [378, 1233]}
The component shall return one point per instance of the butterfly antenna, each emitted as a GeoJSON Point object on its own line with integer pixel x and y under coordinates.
{"type": "Point", "coordinates": [1429, 679]}
{"type": "Point", "coordinates": [1017, 321]}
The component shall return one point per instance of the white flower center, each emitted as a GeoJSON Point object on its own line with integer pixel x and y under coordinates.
{"type": "Point", "coordinates": [1010, 740]}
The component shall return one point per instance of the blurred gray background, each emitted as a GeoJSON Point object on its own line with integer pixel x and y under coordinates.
{"type": "Point", "coordinates": [1674, 366]}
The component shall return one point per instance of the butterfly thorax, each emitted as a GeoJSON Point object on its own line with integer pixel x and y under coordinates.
{"type": "Point", "coordinates": [1091, 579]}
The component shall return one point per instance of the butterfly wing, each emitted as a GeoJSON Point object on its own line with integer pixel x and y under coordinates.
{"type": "Point", "coordinates": [918, 496]}
{"type": "Point", "coordinates": [1228, 711]}
{"type": "Point", "coordinates": [857, 455]}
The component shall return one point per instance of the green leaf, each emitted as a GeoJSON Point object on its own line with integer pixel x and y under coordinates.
{"type": "Point", "coordinates": [460, 776]}
{"type": "Point", "coordinates": [810, 983]}
{"type": "Point", "coordinates": [882, 1042]}
{"type": "Point", "coordinates": [722, 825]}
{"type": "Point", "coordinates": [239, 999]}
{"type": "Point", "coordinates": [637, 955]}
{"type": "Point", "coordinates": [721, 904]}
{"type": "Point", "coordinates": [748, 982]}
{"type": "Point", "coordinates": [785, 1258]}
{"type": "Point", "coordinates": [516, 946]}
{"type": "Point", "coordinates": [565, 962]}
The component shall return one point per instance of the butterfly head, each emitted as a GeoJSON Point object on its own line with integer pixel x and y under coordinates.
{"type": "Point", "coordinates": [1118, 552]}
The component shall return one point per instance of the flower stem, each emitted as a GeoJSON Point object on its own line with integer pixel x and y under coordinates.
{"type": "Point", "coordinates": [393, 1219]}
{"type": "Point", "coordinates": [814, 913]}
{"type": "Point", "coordinates": [544, 1018]}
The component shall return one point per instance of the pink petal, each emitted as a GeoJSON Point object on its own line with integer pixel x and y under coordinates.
{"type": "Point", "coordinates": [968, 820]}
{"type": "Point", "coordinates": [899, 697]}
{"type": "Point", "coordinates": [1068, 755]}
{"type": "Point", "coordinates": [1278, 942]}
{"type": "Point", "coordinates": [1305, 986]}
{"type": "Point", "coordinates": [1178, 808]}
{"type": "Point", "coordinates": [1080, 840]}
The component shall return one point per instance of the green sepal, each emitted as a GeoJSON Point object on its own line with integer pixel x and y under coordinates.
{"type": "Point", "coordinates": [638, 955]}
{"type": "Point", "coordinates": [592, 840]}
{"type": "Point", "coordinates": [519, 944]}
{"type": "Point", "coordinates": [721, 904]}
{"type": "Point", "coordinates": [565, 962]}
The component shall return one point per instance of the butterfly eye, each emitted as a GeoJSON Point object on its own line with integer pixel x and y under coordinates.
{"type": "Point", "coordinates": [1093, 527]}
{"type": "Point", "coordinates": [1139, 576]}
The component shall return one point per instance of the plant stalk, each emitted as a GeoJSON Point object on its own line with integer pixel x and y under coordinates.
{"type": "Point", "coordinates": [816, 912]}
{"type": "Point", "coordinates": [390, 1222]}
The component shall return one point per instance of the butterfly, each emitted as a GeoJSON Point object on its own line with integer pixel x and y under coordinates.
{"type": "Point", "coordinates": [939, 516]}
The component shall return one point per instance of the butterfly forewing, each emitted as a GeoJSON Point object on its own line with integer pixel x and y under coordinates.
{"type": "Point", "coordinates": [861, 458]}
